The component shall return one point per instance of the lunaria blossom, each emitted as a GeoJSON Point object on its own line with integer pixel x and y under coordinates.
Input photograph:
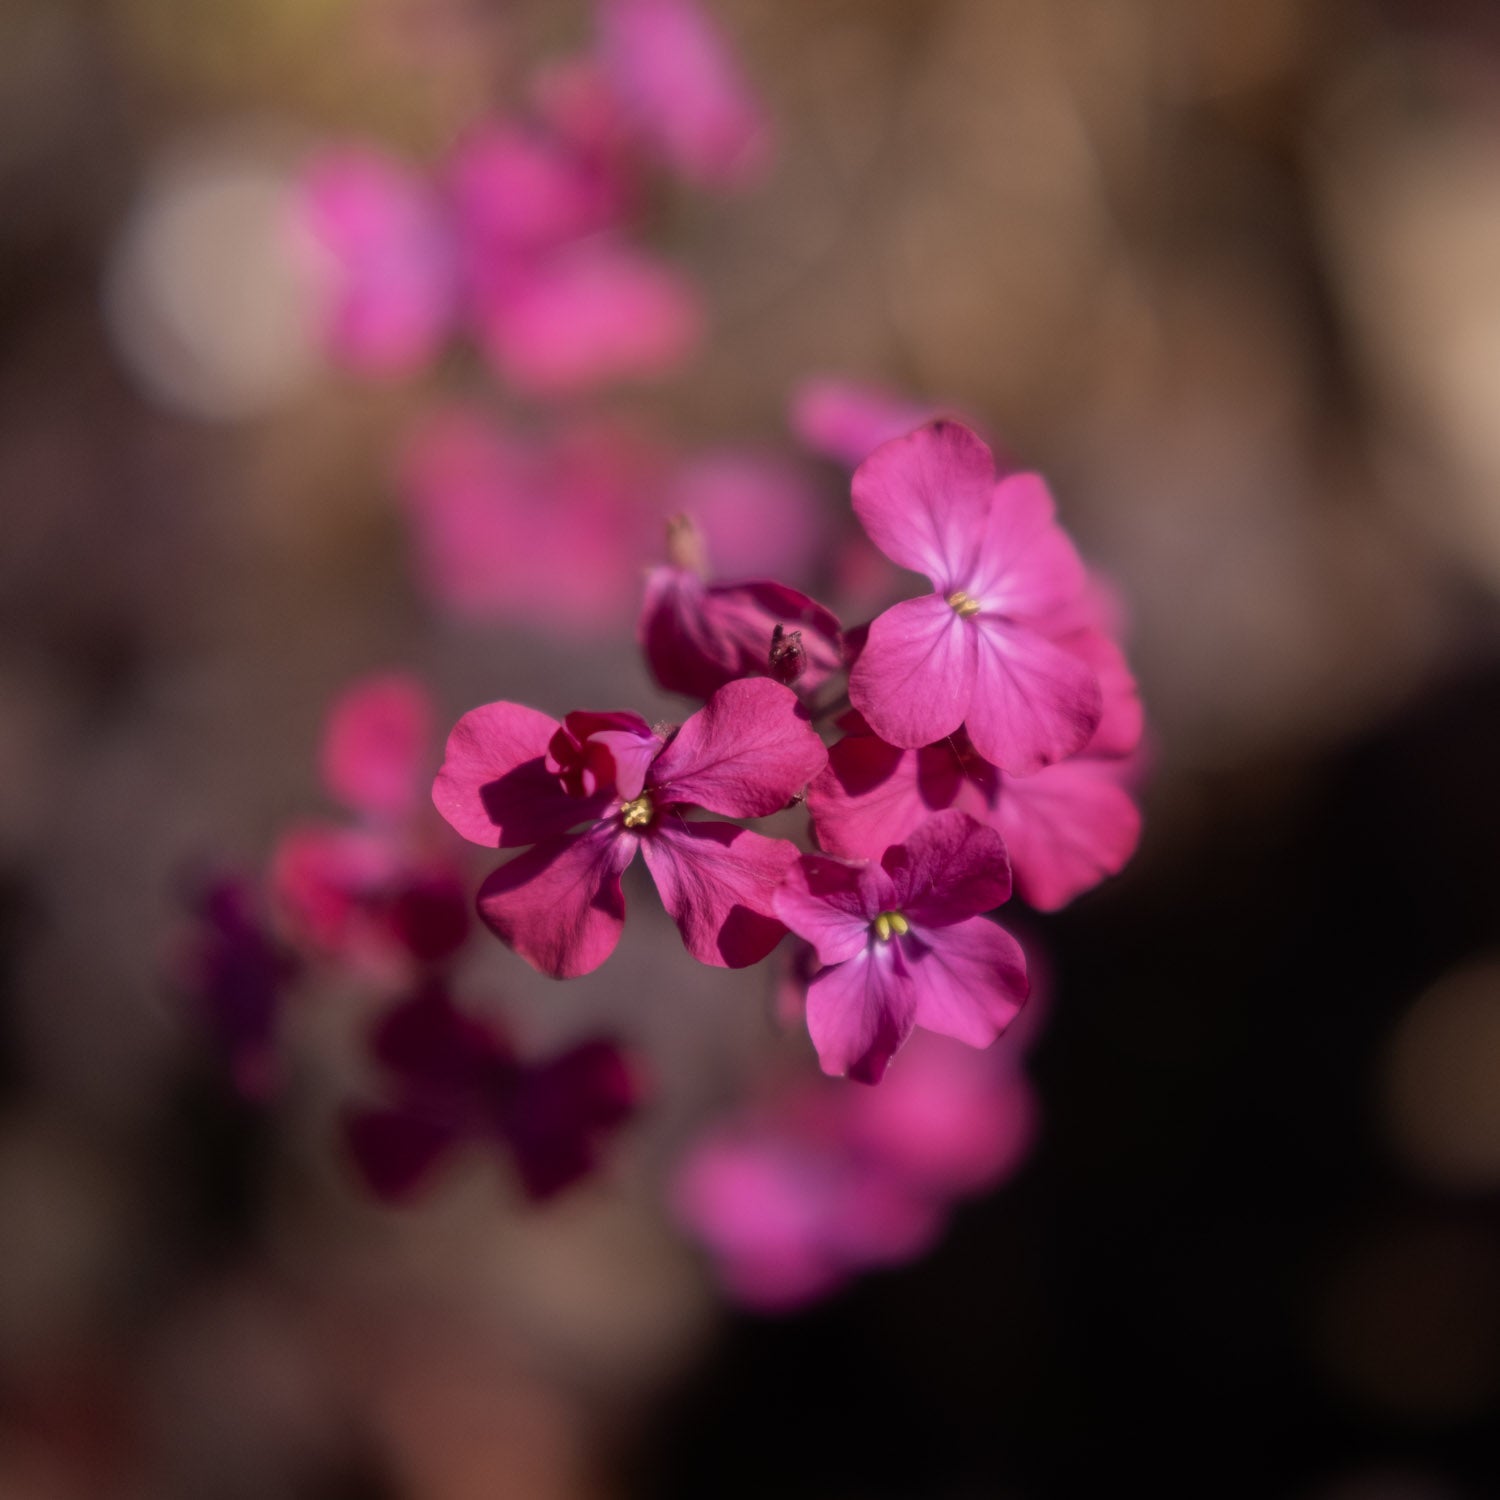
{"type": "Point", "coordinates": [454, 1081]}
{"type": "Point", "coordinates": [378, 892]}
{"type": "Point", "coordinates": [903, 944]}
{"type": "Point", "coordinates": [981, 649]}
{"type": "Point", "coordinates": [591, 792]}
{"type": "Point", "coordinates": [797, 1192]}
{"type": "Point", "coordinates": [697, 636]}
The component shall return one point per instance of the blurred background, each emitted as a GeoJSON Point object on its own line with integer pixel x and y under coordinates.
{"type": "Point", "coordinates": [1228, 272]}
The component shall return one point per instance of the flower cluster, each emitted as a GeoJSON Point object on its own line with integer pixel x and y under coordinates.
{"type": "Point", "coordinates": [990, 727]}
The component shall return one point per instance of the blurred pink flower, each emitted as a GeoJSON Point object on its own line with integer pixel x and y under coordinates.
{"type": "Point", "coordinates": [847, 420]}
{"type": "Point", "coordinates": [903, 944]}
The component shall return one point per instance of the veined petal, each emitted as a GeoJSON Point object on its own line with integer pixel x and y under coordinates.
{"type": "Point", "coordinates": [718, 882]}
{"type": "Point", "coordinates": [1027, 565]}
{"type": "Point", "coordinates": [969, 980]}
{"type": "Point", "coordinates": [1067, 828]}
{"type": "Point", "coordinates": [746, 753]}
{"type": "Point", "coordinates": [948, 870]}
{"type": "Point", "coordinates": [873, 794]}
{"type": "Point", "coordinates": [494, 787]}
{"type": "Point", "coordinates": [924, 500]}
{"type": "Point", "coordinates": [860, 1012]}
{"type": "Point", "coordinates": [831, 903]}
{"type": "Point", "coordinates": [559, 905]}
{"type": "Point", "coordinates": [914, 677]}
{"type": "Point", "coordinates": [1033, 702]}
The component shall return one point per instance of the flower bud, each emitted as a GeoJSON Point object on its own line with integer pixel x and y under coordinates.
{"type": "Point", "coordinates": [788, 656]}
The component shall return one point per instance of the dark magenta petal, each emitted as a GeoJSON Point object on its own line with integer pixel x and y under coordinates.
{"type": "Point", "coordinates": [861, 1011]}
{"type": "Point", "coordinates": [1067, 828]}
{"type": "Point", "coordinates": [559, 905]}
{"type": "Point", "coordinates": [1033, 702]}
{"type": "Point", "coordinates": [949, 869]}
{"type": "Point", "coordinates": [699, 636]}
{"type": "Point", "coordinates": [915, 676]}
{"type": "Point", "coordinates": [398, 1151]}
{"type": "Point", "coordinates": [745, 754]}
{"type": "Point", "coordinates": [495, 788]}
{"type": "Point", "coordinates": [627, 743]}
{"type": "Point", "coordinates": [832, 902]}
{"type": "Point", "coordinates": [435, 1049]}
{"type": "Point", "coordinates": [924, 500]}
{"type": "Point", "coordinates": [718, 882]}
{"type": "Point", "coordinates": [969, 980]}
{"type": "Point", "coordinates": [375, 745]}
{"type": "Point", "coordinates": [683, 89]}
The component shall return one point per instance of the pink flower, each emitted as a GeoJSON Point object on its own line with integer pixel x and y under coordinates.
{"type": "Point", "coordinates": [457, 1082]}
{"type": "Point", "coordinates": [378, 892]}
{"type": "Point", "coordinates": [903, 944]}
{"type": "Point", "coordinates": [682, 89]}
{"type": "Point", "coordinates": [697, 636]}
{"type": "Point", "coordinates": [591, 792]}
{"type": "Point", "coordinates": [979, 650]}
{"type": "Point", "coordinates": [847, 420]}
{"type": "Point", "coordinates": [797, 1193]}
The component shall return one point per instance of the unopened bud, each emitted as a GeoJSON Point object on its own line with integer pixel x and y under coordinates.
{"type": "Point", "coordinates": [788, 659]}
{"type": "Point", "coordinates": [685, 547]}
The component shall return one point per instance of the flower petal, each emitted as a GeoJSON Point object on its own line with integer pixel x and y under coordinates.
{"type": "Point", "coordinates": [1027, 565]}
{"type": "Point", "coordinates": [873, 794]}
{"type": "Point", "coordinates": [924, 500]}
{"type": "Point", "coordinates": [494, 787]}
{"type": "Point", "coordinates": [969, 981]}
{"type": "Point", "coordinates": [1033, 702]}
{"type": "Point", "coordinates": [1123, 719]}
{"type": "Point", "coordinates": [559, 905]}
{"type": "Point", "coordinates": [1067, 828]}
{"type": "Point", "coordinates": [948, 870]}
{"type": "Point", "coordinates": [847, 421]}
{"type": "Point", "coordinates": [860, 1012]}
{"type": "Point", "coordinates": [746, 753]}
{"type": "Point", "coordinates": [914, 677]}
{"type": "Point", "coordinates": [718, 882]}
{"type": "Point", "coordinates": [398, 1150]}
{"type": "Point", "coordinates": [375, 744]}
{"type": "Point", "coordinates": [832, 902]}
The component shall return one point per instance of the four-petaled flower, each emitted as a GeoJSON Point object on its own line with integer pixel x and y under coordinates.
{"type": "Point", "coordinates": [903, 944]}
{"type": "Point", "coordinates": [591, 792]}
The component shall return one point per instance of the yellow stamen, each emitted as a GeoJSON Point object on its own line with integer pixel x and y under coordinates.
{"type": "Point", "coordinates": [890, 923]}
{"type": "Point", "coordinates": [639, 813]}
{"type": "Point", "coordinates": [962, 605]}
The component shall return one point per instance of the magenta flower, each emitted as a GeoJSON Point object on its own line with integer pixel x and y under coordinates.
{"type": "Point", "coordinates": [683, 90]}
{"type": "Point", "coordinates": [697, 636]}
{"type": "Point", "coordinates": [456, 1082]}
{"type": "Point", "coordinates": [591, 792]}
{"type": "Point", "coordinates": [903, 944]}
{"type": "Point", "coordinates": [377, 893]}
{"type": "Point", "coordinates": [978, 651]}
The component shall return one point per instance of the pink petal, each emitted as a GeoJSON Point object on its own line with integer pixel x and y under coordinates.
{"type": "Point", "coordinates": [847, 421]}
{"type": "Point", "coordinates": [629, 743]}
{"type": "Point", "coordinates": [375, 744]}
{"type": "Point", "coordinates": [684, 89]}
{"type": "Point", "coordinates": [759, 514]}
{"type": "Point", "coordinates": [914, 678]}
{"type": "Point", "coordinates": [495, 788]}
{"type": "Point", "coordinates": [832, 903]}
{"type": "Point", "coordinates": [596, 313]}
{"type": "Point", "coordinates": [925, 499]}
{"type": "Point", "coordinates": [860, 1012]}
{"type": "Point", "coordinates": [387, 260]}
{"type": "Point", "coordinates": [746, 753]}
{"type": "Point", "coordinates": [718, 882]}
{"type": "Point", "coordinates": [948, 870]}
{"type": "Point", "coordinates": [559, 905]}
{"type": "Point", "coordinates": [697, 637]}
{"type": "Point", "coordinates": [324, 877]}
{"type": "Point", "coordinates": [1027, 567]}
{"type": "Point", "coordinates": [1033, 702]}
{"type": "Point", "coordinates": [1067, 828]}
{"type": "Point", "coordinates": [1123, 719]}
{"type": "Point", "coordinates": [970, 983]}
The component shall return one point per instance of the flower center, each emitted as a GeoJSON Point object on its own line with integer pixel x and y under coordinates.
{"type": "Point", "coordinates": [891, 924]}
{"type": "Point", "coordinates": [639, 813]}
{"type": "Point", "coordinates": [963, 605]}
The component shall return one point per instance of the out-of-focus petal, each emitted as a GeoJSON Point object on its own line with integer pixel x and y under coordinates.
{"type": "Point", "coordinates": [398, 1151]}
{"type": "Point", "coordinates": [924, 500]}
{"type": "Point", "coordinates": [746, 753]}
{"type": "Point", "coordinates": [375, 745]}
{"type": "Point", "coordinates": [559, 905]}
{"type": "Point", "coordinates": [915, 675]}
{"type": "Point", "coordinates": [718, 882]}
{"type": "Point", "coordinates": [846, 420]}
{"type": "Point", "coordinates": [970, 983]}
{"type": "Point", "coordinates": [760, 515]}
{"type": "Point", "coordinates": [684, 89]}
